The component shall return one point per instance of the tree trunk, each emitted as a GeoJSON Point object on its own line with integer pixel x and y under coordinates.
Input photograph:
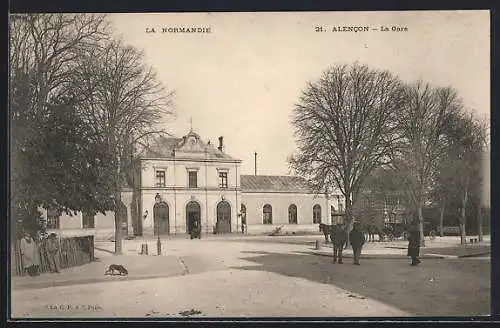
{"type": "Point", "coordinates": [441, 218]}
{"type": "Point", "coordinates": [348, 213]}
{"type": "Point", "coordinates": [479, 222]}
{"type": "Point", "coordinates": [118, 224]}
{"type": "Point", "coordinates": [463, 235]}
{"type": "Point", "coordinates": [118, 204]}
{"type": "Point", "coordinates": [421, 225]}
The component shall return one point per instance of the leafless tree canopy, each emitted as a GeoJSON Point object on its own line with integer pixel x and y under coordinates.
{"type": "Point", "coordinates": [73, 60]}
{"type": "Point", "coordinates": [44, 48]}
{"type": "Point", "coordinates": [426, 112]}
{"type": "Point", "coordinates": [344, 126]}
{"type": "Point", "coordinates": [121, 97]}
{"type": "Point", "coordinates": [122, 101]}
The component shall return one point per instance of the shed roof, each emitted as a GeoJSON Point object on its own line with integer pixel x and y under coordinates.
{"type": "Point", "coordinates": [274, 183]}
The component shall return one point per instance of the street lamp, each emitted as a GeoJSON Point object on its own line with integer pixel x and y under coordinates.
{"type": "Point", "coordinates": [157, 204]}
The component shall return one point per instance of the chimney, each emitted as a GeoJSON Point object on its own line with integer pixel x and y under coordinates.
{"type": "Point", "coordinates": [255, 167]}
{"type": "Point", "coordinates": [221, 143]}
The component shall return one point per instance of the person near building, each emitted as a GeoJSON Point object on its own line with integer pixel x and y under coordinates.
{"type": "Point", "coordinates": [30, 257]}
{"type": "Point", "coordinates": [357, 240]}
{"type": "Point", "coordinates": [338, 237]}
{"type": "Point", "coordinates": [414, 243]}
{"type": "Point", "coordinates": [53, 246]}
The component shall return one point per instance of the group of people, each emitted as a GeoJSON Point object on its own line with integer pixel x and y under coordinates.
{"type": "Point", "coordinates": [338, 238]}
{"type": "Point", "coordinates": [357, 240]}
{"type": "Point", "coordinates": [46, 245]}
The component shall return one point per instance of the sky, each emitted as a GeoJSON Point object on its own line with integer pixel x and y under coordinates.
{"type": "Point", "coordinates": [242, 79]}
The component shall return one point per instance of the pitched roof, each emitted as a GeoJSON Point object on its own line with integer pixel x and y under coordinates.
{"type": "Point", "coordinates": [276, 183]}
{"type": "Point", "coordinates": [163, 147]}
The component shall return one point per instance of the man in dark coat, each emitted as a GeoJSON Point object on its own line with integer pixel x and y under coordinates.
{"type": "Point", "coordinates": [338, 238]}
{"type": "Point", "coordinates": [414, 243]}
{"type": "Point", "coordinates": [357, 239]}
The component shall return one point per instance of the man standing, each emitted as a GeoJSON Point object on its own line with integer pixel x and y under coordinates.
{"type": "Point", "coordinates": [338, 240]}
{"type": "Point", "coordinates": [52, 246]}
{"type": "Point", "coordinates": [357, 239]}
{"type": "Point", "coordinates": [414, 243]}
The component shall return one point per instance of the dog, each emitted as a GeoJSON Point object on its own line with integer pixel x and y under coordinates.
{"type": "Point", "coordinates": [116, 267]}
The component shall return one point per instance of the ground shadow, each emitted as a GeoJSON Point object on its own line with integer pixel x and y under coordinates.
{"type": "Point", "coordinates": [434, 288]}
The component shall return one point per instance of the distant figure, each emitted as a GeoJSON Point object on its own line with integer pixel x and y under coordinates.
{"type": "Point", "coordinates": [243, 224]}
{"type": "Point", "coordinates": [371, 233]}
{"type": "Point", "coordinates": [52, 246]}
{"type": "Point", "coordinates": [30, 256]}
{"type": "Point", "coordinates": [366, 233]}
{"type": "Point", "coordinates": [414, 243]}
{"type": "Point", "coordinates": [195, 231]}
{"type": "Point", "coordinates": [338, 237]}
{"type": "Point", "coordinates": [357, 239]}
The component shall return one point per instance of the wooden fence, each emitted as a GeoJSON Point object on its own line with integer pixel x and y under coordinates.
{"type": "Point", "coordinates": [74, 251]}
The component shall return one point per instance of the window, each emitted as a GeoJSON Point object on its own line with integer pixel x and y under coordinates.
{"type": "Point", "coordinates": [332, 213]}
{"type": "Point", "coordinates": [222, 179]}
{"type": "Point", "coordinates": [52, 219]}
{"type": "Point", "coordinates": [193, 179]}
{"type": "Point", "coordinates": [317, 214]}
{"type": "Point", "coordinates": [88, 221]}
{"type": "Point", "coordinates": [267, 214]}
{"type": "Point", "coordinates": [341, 208]}
{"type": "Point", "coordinates": [160, 178]}
{"type": "Point", "coordinates": [292, 214]}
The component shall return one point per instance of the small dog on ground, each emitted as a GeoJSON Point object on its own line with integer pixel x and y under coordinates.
{"type": "Point", "coordinates": [116, 268]}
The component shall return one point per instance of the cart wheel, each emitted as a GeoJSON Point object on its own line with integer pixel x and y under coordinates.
{"type": "Point", "coordinates": [432, 235]}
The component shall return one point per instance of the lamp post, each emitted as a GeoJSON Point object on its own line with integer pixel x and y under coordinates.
{"type": "Point", "coordinates": [158, 242]}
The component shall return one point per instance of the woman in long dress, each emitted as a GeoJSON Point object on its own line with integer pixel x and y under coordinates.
{"type": "Point", "coordinates": [30, 257]}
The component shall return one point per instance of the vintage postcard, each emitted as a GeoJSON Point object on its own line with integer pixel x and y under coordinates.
{"type": "Point", "coordinates": [250, 165]}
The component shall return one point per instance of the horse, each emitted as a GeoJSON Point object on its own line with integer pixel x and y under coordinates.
{"type": "Point", "coordinates": [326, 229]}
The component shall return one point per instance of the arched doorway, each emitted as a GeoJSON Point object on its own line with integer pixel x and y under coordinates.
{"type": "Point", "coordinates": [193, 216]}
{"type": "Point", "coordinates": [316, 214]}
{"type": "Point", "coordinates": [292, 214]}
{"type": "Point", "coordinates": [223, 217]}
{"type": "Point", "coordinates": [161, 218]}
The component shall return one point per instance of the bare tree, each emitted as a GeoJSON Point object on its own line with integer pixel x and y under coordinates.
{"type": "Point", "coordinates": [421, 124]}
{"type": "Point", "coordinates": [443, 190]}
{"type": "Point", "coordinates": [124, 102]}
{"type": "Point", "coordinates": [466, 145]}
{"type": "Point", "coordinates": [344, 128]}
{"type": "Point", "coordinates": [42, 53]}
{"type": "Point", "coordinates": [44, 48]}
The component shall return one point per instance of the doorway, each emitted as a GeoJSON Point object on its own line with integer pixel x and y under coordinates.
{"type": "Point", "coordinates": [223, 217]}
{"type": "Point", "coordinates": [161, 219]}
{"type": "Point", "coordinates": [193, 216]}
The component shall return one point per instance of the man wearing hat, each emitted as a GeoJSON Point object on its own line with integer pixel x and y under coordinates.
{"type": "Point", "coordinates": [357, 240]}
{"type": "Point", "coordinates": [414, 243]}
{"type": "Point", "coordinates": [53, 252]}
{"type": "Point", "coordinates": [338, 237]}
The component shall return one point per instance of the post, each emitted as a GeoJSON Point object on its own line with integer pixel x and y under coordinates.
{"type": "Point", "coordinates": [158, 243]}
{"type": "Point", "coordinates": [479, 223]}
